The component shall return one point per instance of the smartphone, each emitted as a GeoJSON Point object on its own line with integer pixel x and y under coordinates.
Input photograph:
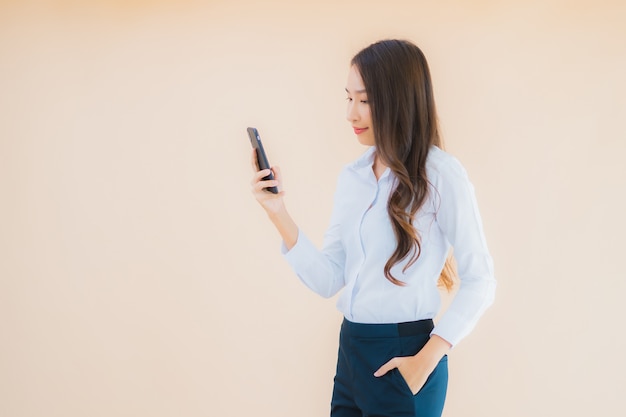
{"type": "Point", "coordinates": [261, 156]}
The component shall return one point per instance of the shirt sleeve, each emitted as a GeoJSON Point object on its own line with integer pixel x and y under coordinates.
{"type": "Point", "coordinates": [459, 219]}
{"type": "Point", "coordinates": [320, 270]}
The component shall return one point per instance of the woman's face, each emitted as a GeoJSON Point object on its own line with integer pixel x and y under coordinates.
{"type": "Point", "coordinates": [358, 112]}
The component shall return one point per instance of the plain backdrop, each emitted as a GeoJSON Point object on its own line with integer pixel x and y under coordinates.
{"type": "Point", "coordinates": [138, 277]}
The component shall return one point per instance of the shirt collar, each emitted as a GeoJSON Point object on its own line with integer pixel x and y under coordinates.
{"type": "Point", "coordinates": [363, 166]}
{"type": "Point", "coordinates": [365, 161]}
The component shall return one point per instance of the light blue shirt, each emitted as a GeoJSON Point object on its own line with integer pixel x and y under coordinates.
{"type": "Point", "coordinates": [360, 240]}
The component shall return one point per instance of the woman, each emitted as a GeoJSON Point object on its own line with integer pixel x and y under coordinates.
{"type": "Point", "coordinates": [398, 212]}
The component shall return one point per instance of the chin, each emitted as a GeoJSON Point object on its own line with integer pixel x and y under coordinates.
{"type": "Point", "coordinates": [366, 141]}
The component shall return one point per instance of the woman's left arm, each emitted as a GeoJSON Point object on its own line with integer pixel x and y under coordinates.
{"type": "Point", "coordinates": [459, 219]}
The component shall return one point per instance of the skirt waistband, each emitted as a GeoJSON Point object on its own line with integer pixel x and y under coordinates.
{"type": "Point", "coordinates": [410, 328]}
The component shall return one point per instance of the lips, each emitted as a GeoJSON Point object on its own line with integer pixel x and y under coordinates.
{"type": "Point", "coordinates": [359, 130]}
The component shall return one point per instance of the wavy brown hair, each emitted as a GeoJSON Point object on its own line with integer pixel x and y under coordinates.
{"type": "Point", "coordinates": [404, 118]}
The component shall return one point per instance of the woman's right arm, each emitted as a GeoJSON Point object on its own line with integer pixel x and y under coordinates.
{"type": "Point", "coordinates": [320, 270]}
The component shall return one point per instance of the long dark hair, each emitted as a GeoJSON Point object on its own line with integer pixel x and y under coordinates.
{"type": "Point", "coordinates": [404, 118]}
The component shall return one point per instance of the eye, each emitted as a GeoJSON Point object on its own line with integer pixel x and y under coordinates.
{"type": "Point", "coordinates": [364, 101]}
{"type": "Point", "coordinates": [349, 98]}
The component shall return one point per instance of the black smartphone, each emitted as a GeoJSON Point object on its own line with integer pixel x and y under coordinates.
{"type": "Point", "coordinates": [261, 157]}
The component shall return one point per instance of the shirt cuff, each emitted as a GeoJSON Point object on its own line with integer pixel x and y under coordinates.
{"type": "Point", "coordinates": [452, 328]}
{"type": "Point", "coordinates": [299, 255]}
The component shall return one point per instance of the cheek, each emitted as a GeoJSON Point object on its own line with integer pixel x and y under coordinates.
{"type": "Point", "coordinates": [367, 138]}
{"type": "Point", "coordinates": [367, 115]}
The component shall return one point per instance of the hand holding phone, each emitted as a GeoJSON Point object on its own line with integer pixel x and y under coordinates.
{"type": "Point", "coordinates": [261, 156]}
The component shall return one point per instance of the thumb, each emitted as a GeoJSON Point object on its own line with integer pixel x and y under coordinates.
{"type": "Point", "coordinates": [391, 364]}
{"type": "Point", "coordinates": [277, 173]}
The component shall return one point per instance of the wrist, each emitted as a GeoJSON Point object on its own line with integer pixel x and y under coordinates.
{"type": "Point", "coordinates": [435, 349]}
{"type": "Point", "coordinates": [277, 214]}
{"type": "Point", "coordinates": [285, 226]}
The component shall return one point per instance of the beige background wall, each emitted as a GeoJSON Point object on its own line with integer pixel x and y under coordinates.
{"type": "Point", "coordinates": [139, 278]}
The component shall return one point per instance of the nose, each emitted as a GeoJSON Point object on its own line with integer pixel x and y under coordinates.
{"type": "Point", "coordinates": [352, 115]}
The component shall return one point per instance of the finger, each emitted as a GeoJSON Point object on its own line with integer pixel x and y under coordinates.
{"type": "Point", "coordinates": [277, 173]}
{"type": "Point", "coordinates": [258, 175]}
{"type": "Point", "coordinates": [386, 368]}
{"type": "Point", "coordinates": [278, 176]}
{"type": "Point", "coordinates": [261, 185]}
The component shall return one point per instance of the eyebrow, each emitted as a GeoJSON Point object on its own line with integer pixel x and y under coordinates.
{"type": "Point", "coordinates": [357, 91]}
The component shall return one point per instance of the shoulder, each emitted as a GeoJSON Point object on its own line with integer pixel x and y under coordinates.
{"type": "Point", "coordinates": [443, 167]}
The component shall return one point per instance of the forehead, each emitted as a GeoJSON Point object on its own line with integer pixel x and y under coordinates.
{"type": "Point", "coordinates": [354, 84]}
